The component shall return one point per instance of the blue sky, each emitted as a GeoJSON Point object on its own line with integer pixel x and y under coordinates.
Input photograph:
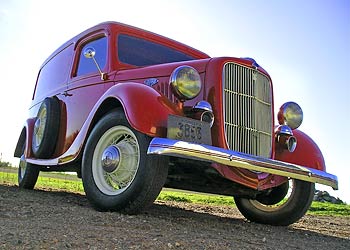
{"type": "Point", "coordinates": [304, 45]}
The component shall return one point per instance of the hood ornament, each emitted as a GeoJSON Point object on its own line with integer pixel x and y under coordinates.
{"type": "Point", "coordinates": [254, 63]}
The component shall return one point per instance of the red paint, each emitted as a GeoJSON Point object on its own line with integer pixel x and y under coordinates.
{"type": "Point", "coordinates": [307, 153]}
{"type": "Point", "coordinates": [29, 128]}
{"type": "Point", "coordinates": [146, 108]}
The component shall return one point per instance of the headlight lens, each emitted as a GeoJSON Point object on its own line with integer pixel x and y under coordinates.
{"type": "Point", "coordinates": [186, 82]}
{"type": "Point", "coordinates": [290, 114]}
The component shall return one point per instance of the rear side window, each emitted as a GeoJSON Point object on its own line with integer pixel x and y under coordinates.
{"type": "Point", "coordinates": [140, 52]}
{"type": "Point", "coordinates": [87, 65]}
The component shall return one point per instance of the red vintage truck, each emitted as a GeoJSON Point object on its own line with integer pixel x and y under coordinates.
{"type": "Point", "coordinates": [131, 112]}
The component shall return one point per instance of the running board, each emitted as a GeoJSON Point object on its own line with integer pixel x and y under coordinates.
{"type": "Point", "coordinates": [181, 149]}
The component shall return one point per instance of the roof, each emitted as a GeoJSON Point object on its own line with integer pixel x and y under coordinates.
{"type": "Point", "coordinates": [115, 27]}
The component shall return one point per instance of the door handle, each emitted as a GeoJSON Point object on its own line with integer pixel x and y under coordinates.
{"type": "Point", "coordinates": [65, 93]}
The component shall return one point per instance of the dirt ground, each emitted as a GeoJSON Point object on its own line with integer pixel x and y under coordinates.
{"type": "Point", "coordinates": [42, 219]}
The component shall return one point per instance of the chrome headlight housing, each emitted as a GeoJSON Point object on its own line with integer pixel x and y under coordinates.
{"type": "Point", "coordinates": [290, 114]}
{"type": "Point", "coordinates": [185, 82]}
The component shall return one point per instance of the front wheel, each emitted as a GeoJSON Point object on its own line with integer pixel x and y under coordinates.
{"type": "Point", "coordinates": [279, 212]}
{"type": "Point", "coordinates": [117, 173]}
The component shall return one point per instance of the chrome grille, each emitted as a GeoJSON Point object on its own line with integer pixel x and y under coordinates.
{"type": "Point", "coordinates": [247, 110]}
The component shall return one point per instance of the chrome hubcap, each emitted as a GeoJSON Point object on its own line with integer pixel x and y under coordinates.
{"type": "Point", "coordinates": [22, 167]}
{"type": "Point", "coordinates": [39, 128]}
{"type": "Point", "coordinates": [110, 159]}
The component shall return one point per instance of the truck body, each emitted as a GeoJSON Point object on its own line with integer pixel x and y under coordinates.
{"type": "Point", "coordinates": [131, 112]}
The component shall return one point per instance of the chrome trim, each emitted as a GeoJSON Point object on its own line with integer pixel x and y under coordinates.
{"type": "Point", "coordinates": [186, 82]}
{"type": "Point", "coordinates": [247, 110]}
{"type": "Point", "coordinates": [151, 81]}
{"type": "Point", "coordinates": [283, 129]}
{"type": "Point", "coordinates": [22, 167]}
{"type": "Point", "coordinates": [290, 114]}
{"type": "Point", "coordinates": [291, 143]}
{"type": "Point", "coordinates": [90, 53]}
{"type": "Point", "coordinates": [205, 112]}
{"type": "Point", "coordinates": [207, 116]}
{"type": "Point", "coordinates": [254, 63]}
{"type": "Point", "coordinates": [163, 146]}
{"type": "Point", "coordinates": [203, 105]}
{"type": "Point", "coordinates": [285, 139]}
{"type": "Point", "coordinates": [110, 158]}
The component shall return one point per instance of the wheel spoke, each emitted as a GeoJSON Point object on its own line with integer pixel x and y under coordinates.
{"type": "Point", "coordinates": [116, 179]}
{"type": "Point", "coordinates": [109, 180]}
{"type": "Point", "coordinates": [116, 139]}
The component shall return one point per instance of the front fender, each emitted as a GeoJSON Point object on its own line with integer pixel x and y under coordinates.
{"type": "Point", "coordinates": [146, 110]}
{"type": "Point", "coordinates": [307, 153]}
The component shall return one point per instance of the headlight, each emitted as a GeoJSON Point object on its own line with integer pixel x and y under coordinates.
{"type": "Point", "coordinates": [185, 82]}
{"type": "Point", "coordinates": [290, 114]}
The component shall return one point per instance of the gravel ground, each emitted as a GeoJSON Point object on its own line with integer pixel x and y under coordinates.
{"type": "Point", "coordinates": [43, 219]}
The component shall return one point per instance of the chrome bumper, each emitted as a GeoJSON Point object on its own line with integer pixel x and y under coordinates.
{"type": "Point", "coordinates": [163, 146]}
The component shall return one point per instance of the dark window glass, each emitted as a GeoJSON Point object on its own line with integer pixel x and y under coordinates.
{"type": "Point", "coordinates": [87, 65]}
{"type": "Point", "coordinates": [140, 52]}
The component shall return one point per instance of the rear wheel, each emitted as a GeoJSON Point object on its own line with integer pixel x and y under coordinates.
{"type": "Point", "coordinates": [274, 209]}
{"type": "Point", "coordinates": [27, 174]}
{"type": "Point", "coordinates": [117, 173]}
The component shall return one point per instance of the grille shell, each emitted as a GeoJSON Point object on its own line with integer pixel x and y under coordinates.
{"type": "Point", "coordinates": [247, 107]}
{"type": "Point", "coordinates": [165, 88]}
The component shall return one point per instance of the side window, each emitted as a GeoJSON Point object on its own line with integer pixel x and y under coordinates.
{"type": "Point", "coordinates": [87, 65]}
{"type": "Point", "coordinates": [141, 52]}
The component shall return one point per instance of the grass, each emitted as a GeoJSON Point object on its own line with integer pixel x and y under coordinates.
{"type": "Point", "coordinates": [326, 208]}
{"type": "Point", "coordinates": [197, 198]}
{"type": "Point", "coordinates": [48, 181]}
{"type": "Point", "coordinates": [70, 183]}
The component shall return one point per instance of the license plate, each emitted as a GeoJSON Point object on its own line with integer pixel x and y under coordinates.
{"type": "Point", "coordinates": [187, 129]}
